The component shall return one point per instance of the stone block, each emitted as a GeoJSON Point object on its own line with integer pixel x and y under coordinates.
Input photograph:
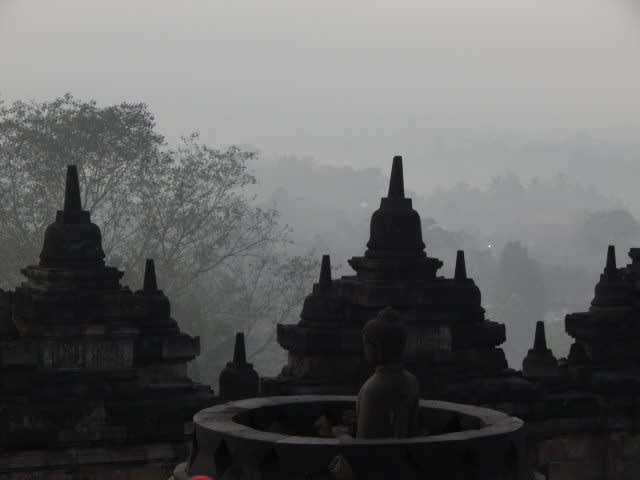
{"type": "Point", "coordinates": [571, 470]}
{"type": "Point", "coordinates": [584, 447]}
{"type": "Point", "coordinates": [158, 452]}
{"type": "Point", "coordinates": [180, 347]}
{"type": "Point", "coordinates": [551, 451]}
{"type": "Point", "coordinates": [107, 354]}
{"type": "Point", "coordinates": [575, 448]}
{"type": "Point", "coordinates": [150, 472]}
{"type": "Point", "coordinates": [631, 446]}
{"type": "Point", "coordinates": [101, 353]}
{"type": "Point", "coordinates": [18, 354]}
{"type": "Point", "coordinates": [425, 341]}
{"type": "Point", "coordinates": [628, 470]}
{"type": "Point", "coordinates": [163, 373]}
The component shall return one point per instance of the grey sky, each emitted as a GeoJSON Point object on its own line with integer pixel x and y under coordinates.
{"type": "Point", "coordinates": [345, 81]}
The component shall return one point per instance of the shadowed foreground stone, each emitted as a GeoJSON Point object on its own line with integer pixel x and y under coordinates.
{"type": "Point", "coordinates": [231, 442]}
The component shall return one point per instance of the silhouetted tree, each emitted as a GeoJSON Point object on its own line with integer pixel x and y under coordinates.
{"type": "Point", "coordinates": [617, 226]}
{"type": "Point", "coordinates": [188, 206]}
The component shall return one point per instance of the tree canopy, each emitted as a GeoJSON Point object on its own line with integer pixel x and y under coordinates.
{"type": "Point", "coordinates": [220, 255]}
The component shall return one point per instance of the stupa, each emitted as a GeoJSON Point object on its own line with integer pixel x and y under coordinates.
{"type": "Point", "coordinates": [238, 379]}
{"type": "Point", "coordinates": [451, 346]}
{"type": "Point", "coordinates": [606, 352]}
{"type": "Point", "coordinates": [540, 364]}
{"type": "Point", "coordinates": [93, 378]}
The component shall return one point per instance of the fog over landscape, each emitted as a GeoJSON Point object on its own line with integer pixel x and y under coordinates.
{"type": "Point", "coordinates": [518, 123]}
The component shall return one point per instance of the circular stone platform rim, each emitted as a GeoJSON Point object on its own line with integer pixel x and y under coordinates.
{"type": "Point", "coordinates": [221, 419]}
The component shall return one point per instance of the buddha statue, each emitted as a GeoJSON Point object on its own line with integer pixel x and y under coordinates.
{"type": "Point", "coordinates": [387, 405]}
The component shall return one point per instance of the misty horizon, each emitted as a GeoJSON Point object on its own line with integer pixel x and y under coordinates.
{"type": "Point", "coordinates": [346, 85]}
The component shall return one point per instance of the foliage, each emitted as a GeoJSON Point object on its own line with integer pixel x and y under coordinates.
{"type": "Point", "coordinates": [616, 226]}
{"type": "Point", "coordinates": [219, 255]}
{"type": "Point", "coordinates": [114, 147]}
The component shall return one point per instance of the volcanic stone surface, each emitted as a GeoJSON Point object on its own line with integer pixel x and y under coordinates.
{"type": "Point", "coordinates": [87, 363]}
{"type": "Point", "coordinates": [232, 441]}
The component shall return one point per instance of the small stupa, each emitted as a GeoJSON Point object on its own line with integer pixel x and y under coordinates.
{"type": "Point", "coordinates": [238, 379]}
{"type": "Point", "coordinates": [540, 363]}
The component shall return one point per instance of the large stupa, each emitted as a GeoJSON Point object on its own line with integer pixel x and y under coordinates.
{"type": "Point", "coordinates": [453, 348]}
{"type": "Point", "coordinates": [93, 377]}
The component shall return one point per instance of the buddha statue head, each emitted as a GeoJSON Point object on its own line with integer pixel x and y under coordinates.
{"type": "Point", "coordinates": [384, 338]}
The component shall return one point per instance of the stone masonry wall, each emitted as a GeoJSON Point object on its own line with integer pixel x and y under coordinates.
{"type": "Point", "coordinates": [589, 456]}
{"type": "Point", "coordinates": [148, 462]}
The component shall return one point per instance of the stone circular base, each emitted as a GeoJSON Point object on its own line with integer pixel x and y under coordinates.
{"type": "Point", "coordinates": [231, 441]}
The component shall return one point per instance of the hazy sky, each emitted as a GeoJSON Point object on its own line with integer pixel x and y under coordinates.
{"type": "Point", "coordinates": [345, 81]}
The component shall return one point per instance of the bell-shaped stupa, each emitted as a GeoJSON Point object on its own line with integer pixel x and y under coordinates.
{"type": "Point", "coordinates": [450, 342]}
{"type": "Point", "coordinates": [88, 366]}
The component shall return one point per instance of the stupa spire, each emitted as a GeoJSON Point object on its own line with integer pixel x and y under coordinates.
{"type": "Point", "coordinates": [72, 201]}
{"type": "Point", "coordinates": [396, 181]}
{"type": "Point", "coordinates": [150, 283]}
{"type": "Point", "coordinates": [239, 352]}
{"type": "Point", "coordinates": [540, 342]}
{"type": "Point", "coordinates": [612, 290]}
{"type": "Point", "coordinates": [239, 379]}
{"type": "Point", "coordinates": [540, 362]}
{"type": "Point", "coordinates": [611, 260]}
{"type": "Point", "coordinates": [461, 266]}
{"type": "Point", "coordinates": [325, 272]}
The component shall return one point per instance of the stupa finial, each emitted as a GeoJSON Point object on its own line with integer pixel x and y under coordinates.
{"type": "Point", "coordinates": [396, 182]}
{"type": "Point", "coordinates": [72, 201]}
{"type": "Point", "coordinates": [611, 259]}
{"type": "Point", "coordinates": [325, 272]}
{"type": "Point", "coordinates": [150, 284]}
{"type": "Point", "coordinates": [461, 266]}
{"type": "Point", "coordinates": [540, 342]}
{"type": "Point", "coordinates": [239, 352]}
